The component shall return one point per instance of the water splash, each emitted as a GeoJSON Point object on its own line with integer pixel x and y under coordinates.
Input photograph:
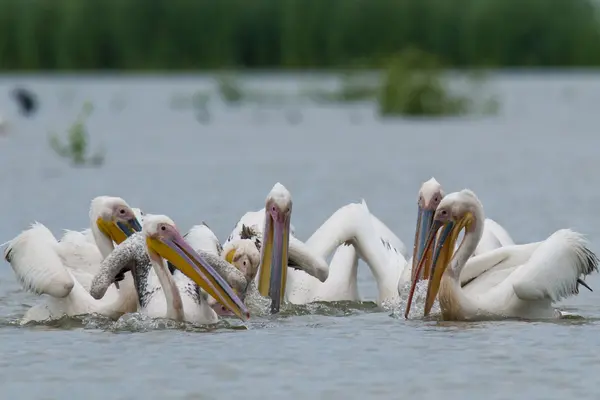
{"type": "Point", "coordinates": [398, 307]}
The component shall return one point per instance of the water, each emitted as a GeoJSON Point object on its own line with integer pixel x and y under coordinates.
{"type": "Point", "coordinates": [534, 166]}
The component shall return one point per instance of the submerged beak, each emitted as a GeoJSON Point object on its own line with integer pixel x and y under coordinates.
{"type": "Point", "coordinates": [424, 221]}
{"type": "Point", "coordinates": [185, 259]}
{"type": "Point", "coordinates": [274, 259]}
{"type": "Point", "coordinates": [442, 256]}
{"type": "Point", "coordinates": [118, 231]}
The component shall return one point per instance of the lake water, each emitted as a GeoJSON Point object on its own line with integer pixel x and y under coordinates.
{"type": "Point", "coordinates": [534, 166]}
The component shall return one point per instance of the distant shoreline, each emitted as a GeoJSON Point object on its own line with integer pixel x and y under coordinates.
{"type": "Point", "coordinates": [289, 35]}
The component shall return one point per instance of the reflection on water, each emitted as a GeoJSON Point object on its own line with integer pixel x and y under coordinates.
{"type": "Point", "coordinates": [533, 166]}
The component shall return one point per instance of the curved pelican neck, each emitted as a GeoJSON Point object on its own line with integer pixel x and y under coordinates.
{"type": "Point", "coordinates": [352, 223]}
{"type": "Point", "coordinates": [104, 243]}
{"type": "Point", "coordinates": [471, 239]}
{"type": "Point", "coordinates": [172, 295]}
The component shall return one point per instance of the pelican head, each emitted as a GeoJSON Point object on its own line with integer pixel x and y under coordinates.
{"type": "Point", "coordinates": [456, 211]}
{"type": "Point", "coordinates": [244, 256]}
{"type": "Point", "coordinates": [163, 240]}
{"type": "Point", "coordinates": [274, 251]}
{"type": "Point", "coordinates": [114, 218]}
{"type": "Point", "coordinates": [430, 195]}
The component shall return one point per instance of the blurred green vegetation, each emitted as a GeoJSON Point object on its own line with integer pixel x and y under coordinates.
{"type": "Point", "coordinates": [413, 83]}
{"type": "Point", "coordinates": [211, 34]}
{"type": "Point", "coordinates": [77, 142]}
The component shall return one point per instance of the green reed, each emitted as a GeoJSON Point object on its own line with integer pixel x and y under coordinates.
{"type": "Point", "coordinates": [76, 144]}
{"type": "Point", "coordinates": [209, 34]}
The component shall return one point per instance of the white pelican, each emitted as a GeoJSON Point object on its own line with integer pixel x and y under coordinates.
{"type": "Point", "coordinates": [545, 272]}
{"type": "Point", "coordinates": [173, 294]}
{"type": "Point", "coordinates": [341, 283]}
{"type": "Point", "coordinates": [281, 253]}
{"type": "Point", "coordinates": [88, 233]}
{"type": "Point", "coordinates": [350, 228]}
{"type": "Point", "coordinates": [350, 232]}
{"type": "Point", "coordinates": [271, 231]}
{"type": "Point", "coordinates": [89, 247]}
{"type": "Point", "coordinates": [64, 270]}
{"type": "Point", "coordinates": [378, 246]}
{"type": "Point", "coordinates": [241, 253]}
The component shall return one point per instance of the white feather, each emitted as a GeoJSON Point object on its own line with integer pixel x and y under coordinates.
{"type": "Point", "coordinates": [33, 256]}
{"type": "Point", "coordinates": [201, 238]}
{"type": "Point", "coordinates": [64, 270]}
{"type": "Point", "coordinates": [554, 267]}
{"type": "Point", "coordinates": [529, 279]}
{"type": "Point", "coordinates": [374, 243]}
{"type": "Point", "coordinates": [500, 233]}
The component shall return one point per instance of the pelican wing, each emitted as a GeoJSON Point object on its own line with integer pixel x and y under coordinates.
{"type": "Point", "coordinates": [79, 253]}
{"type": "Point", "coordinates": [34, 257]}
{"type": "Point", "coordinates": [70, 235]}
{"type": "Point", "coordinates": [498, 231]}
{"type": "Point", "coordinates": [488, 241]}
{"type": "Point", "coordinates": [485, 271]}
{"type": "Point", "coordinates": [353, 223]}
{"type": "Point", "coordinates": [554, 268]}
{"type": "Point", "coordinates": [201, 238]}
{"type": "Point", "coordinates": [386, 233]}
{"type": "Point", "coordinates": [494, 236]}
{"type": "Point", "coordinates": [251, 226]}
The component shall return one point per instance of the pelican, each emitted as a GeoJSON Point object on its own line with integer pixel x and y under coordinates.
{"type": "Point", "coordinates": [173, 294]}
{"type": "Point", "coordinates": [381, 249]}
{"type": "Point", "coordinates": [535, 275]}
{"type": "Point", "coordinates": [377, 245]}
{"type": "Point", "coordinates": [89, 235]}
{"type": "Point", "coordinates": [430, 195]}
{"type": "Point", "coordinates": [271, 231]}
{"type": "Point", "coordinates": [307, 276]}
{"type": "Point", "coordinates": [64, 270]}
{"type": "Point", "coordinates": [241, 253]}
{"type": "Point", "coordinates": [351, 232]}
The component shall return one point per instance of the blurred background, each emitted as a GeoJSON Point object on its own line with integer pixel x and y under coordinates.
{"type": "Point", "coordinates": [195, 109]}
{"type": "Point", "coordinates": [365, 95]}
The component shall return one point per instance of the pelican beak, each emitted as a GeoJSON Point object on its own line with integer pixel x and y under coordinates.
{"type": "Point", "coordinates": [274, 258]}
{"type": "Point", "coordinates": [442, 255]}
{"type": "Point", "coordinates": [229, 257]}
{"type": "Point", "coordinates": [184, 258]}
{"type": "Point", "coordinates": [118, 231]}
{"type": "Point", "coordinates": [424, 221]}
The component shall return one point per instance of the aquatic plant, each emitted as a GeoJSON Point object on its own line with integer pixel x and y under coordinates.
{"type": "Point", "coordinates": [230, 90]}
{"type": "Point", "coordinates": [76, 147]}
{"type": "Point", "coordinates": [412, 85]}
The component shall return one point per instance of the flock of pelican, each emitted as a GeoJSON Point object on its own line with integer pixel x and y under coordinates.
{"type": "Point", "coordinates": [128, 261]}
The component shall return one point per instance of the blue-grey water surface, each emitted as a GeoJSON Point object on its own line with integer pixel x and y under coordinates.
{"type": "Point", "coordinates": [534, 166]}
